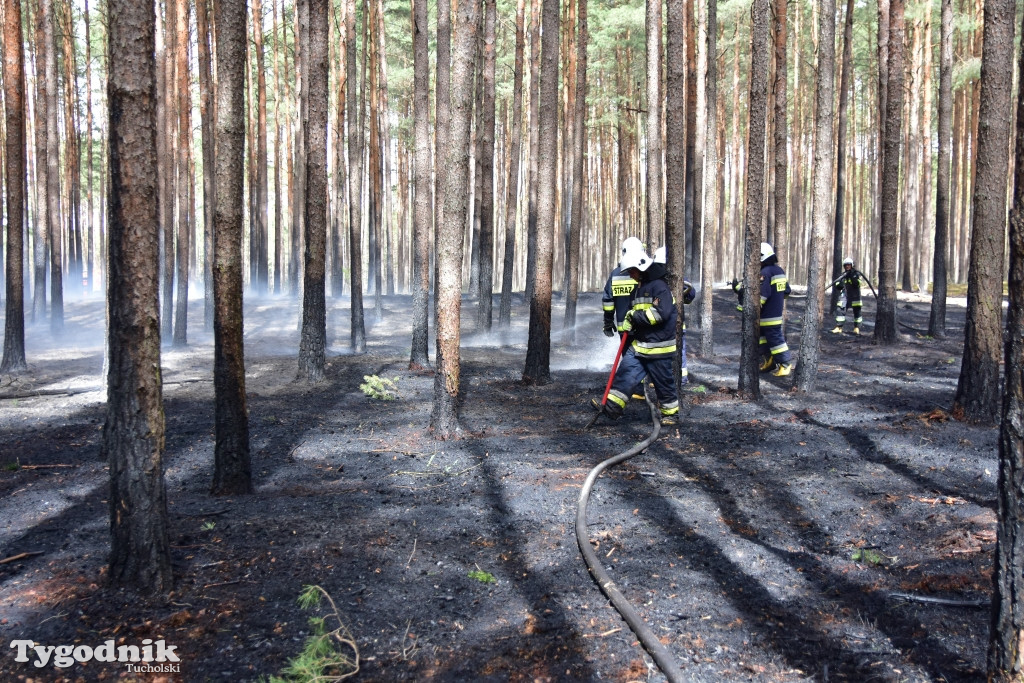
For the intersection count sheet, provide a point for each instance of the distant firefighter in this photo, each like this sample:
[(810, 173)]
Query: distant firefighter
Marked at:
[(849, 298)]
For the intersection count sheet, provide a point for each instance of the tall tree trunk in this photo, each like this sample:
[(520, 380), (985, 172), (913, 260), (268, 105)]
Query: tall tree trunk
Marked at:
[(937, 316), (678, 205), (844, 85), (232, 471), (14, 166), (977, 392), (486, 280), (90, 222), (313, 338), (279, 141), (262, 229), (53, 209), (693, 164), (185, 207), (532, 181), (579, 123), (885, 317), (419, 357), (72, 149), (167, 152), (760, 44), (1006, 631), (538, 350), (810, 336), (355, 184), (655, 177), (780, 194), (512, 186), (444, 419), (40, 231), (207, 117), (133, 435), (712, 174)]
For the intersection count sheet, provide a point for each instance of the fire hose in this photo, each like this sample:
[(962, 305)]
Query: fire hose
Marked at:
[(662, 657)]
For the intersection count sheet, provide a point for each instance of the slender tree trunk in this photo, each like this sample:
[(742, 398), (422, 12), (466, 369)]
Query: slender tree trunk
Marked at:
[(655, 176), (444, 420), (538, 351), (41, 230), (749, 381), (278, 143), (90, 222), (232, 471), (690, 261), (184, 196), (678, 205), (133, 435), (355, 185), (207, 116), (53, 191), (262, 229), (977, 393), (844, 84), (780, 194), (885, 322), (487, 208), (313, 338), (512, 186), (14, 159), (712, 175), (579, 123), (810, 337), (420, 358), (72, 148), (937, 316), (167, 152), (532, 182)]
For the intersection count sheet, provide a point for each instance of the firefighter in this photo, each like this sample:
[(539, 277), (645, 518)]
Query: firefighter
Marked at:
[(619, 289), (849, 284), (774, 290), (661, 256), (651, 324)]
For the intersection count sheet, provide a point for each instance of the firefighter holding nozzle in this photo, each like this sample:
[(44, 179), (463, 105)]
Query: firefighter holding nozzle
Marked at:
[(849, 298)]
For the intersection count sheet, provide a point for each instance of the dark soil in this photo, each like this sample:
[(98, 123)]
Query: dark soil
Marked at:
[(780, 540)]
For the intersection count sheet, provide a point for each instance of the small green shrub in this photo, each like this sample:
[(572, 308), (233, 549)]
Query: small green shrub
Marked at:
[(482, 576), (868, 556), (327, 656), (380, 388)]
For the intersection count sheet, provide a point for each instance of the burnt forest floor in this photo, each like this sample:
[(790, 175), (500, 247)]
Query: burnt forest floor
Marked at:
[(782, 540)]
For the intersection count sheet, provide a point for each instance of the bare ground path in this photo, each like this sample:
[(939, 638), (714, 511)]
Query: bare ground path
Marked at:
[(785, 540)]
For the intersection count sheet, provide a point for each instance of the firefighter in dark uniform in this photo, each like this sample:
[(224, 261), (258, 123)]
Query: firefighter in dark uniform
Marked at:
[(651, 324), (849, 283), (618, 290), (774, 290)]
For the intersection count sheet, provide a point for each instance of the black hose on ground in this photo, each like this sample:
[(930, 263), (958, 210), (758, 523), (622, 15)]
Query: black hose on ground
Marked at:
[(662, 657)]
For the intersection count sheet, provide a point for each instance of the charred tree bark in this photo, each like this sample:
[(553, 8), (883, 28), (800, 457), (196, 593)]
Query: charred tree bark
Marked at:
[(444, 419), (133, 435), (977, 392), (313, 338), (810, 337), (885, 318), (420, 354), (512, 186), (232, 472), (749, 381), (937, 316), (538, 351), (14, 166)]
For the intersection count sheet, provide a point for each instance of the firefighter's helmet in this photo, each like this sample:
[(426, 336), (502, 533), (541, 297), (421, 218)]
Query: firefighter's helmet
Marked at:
[(766, 251), (661, 255), (635, 257), (848, 262)]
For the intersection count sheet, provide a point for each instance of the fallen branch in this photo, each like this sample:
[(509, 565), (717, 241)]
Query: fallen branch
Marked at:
[(20, 556), (222, 583), (941, 601), (42, 467)]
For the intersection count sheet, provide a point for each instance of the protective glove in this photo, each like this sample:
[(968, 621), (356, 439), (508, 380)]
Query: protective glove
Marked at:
[(627, 322), (609, 328)]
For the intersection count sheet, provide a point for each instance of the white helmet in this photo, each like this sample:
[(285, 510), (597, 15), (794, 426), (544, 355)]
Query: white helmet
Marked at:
[(661, 255), (629, 244), (635, 257), (848, 261), (766, 251)]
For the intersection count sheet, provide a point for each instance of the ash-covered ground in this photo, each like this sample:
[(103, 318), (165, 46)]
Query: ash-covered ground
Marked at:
[(804, 537)]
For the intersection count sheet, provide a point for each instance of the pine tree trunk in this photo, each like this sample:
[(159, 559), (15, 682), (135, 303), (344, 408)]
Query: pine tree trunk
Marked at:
[(760, 40), (207, 116), (419, 358), (260, 193), (885, 322), (977, 393), (538, 351), (14, 165), (712, 176), (824, 199), (53, 189), (781, 131), (487, 209), (512, 186), (313, 338), (184, 197), (167, 152), (133, 436), (840, 197), (232, 472), (579, 124), (40, 229), (355, 184), (937, 316), (444, 420), (655, 176), (532, 178)]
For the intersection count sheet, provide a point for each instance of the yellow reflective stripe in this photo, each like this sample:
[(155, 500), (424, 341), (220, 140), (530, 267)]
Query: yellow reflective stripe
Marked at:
[(780, 348), (769, 322), (654, 349), (608, 307), (617, 398)]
